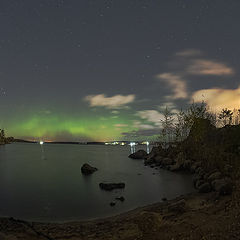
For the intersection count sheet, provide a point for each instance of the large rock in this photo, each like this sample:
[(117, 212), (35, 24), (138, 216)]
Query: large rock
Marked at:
[(153, 160), (149, 161), (204, 188), (187, 165), (174, 168), (166, 161), (87, 169), (214, 176), (111, 186), (158, 159), (196, 178), (140, 154), (195, 166), (199, 183), (223, 186)]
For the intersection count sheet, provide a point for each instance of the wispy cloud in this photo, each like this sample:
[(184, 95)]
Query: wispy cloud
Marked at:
[(218, 98), (141, 133), (115, 112), (114, 102), (208, 67), (176, 84), (119, 125), (189, 53), (140, 125), (152, 116)]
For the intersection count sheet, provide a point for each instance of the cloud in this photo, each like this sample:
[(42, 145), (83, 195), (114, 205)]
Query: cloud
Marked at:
[(139, 125), (114, 102), (115, 112), (176, 84), (169, 105), (119, 125), (189, 53), (141, 132), (208, 67), (218, 98), (152, 116)]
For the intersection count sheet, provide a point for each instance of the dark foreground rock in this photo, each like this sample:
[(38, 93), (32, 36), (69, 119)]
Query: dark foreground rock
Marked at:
[(111, 186), (223, 186), (204, 188), (86, 169), (140, 154)]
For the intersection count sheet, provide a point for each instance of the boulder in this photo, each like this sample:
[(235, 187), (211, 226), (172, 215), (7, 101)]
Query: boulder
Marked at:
[(158, 159), (214, 176), (174, 167), (196, 178), (140, 154), (111, 186), (204, 188), (199, 183), (223, 186), (167, 161), (157, 151), (149, 161), (86, 169), (195, 166), (178, 207), (187, 165)]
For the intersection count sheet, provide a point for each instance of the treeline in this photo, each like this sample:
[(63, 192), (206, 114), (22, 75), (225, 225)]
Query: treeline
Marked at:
[(176, 127), (203, 136), (4, 139)]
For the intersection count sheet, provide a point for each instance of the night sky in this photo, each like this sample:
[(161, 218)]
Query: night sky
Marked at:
[(94, 70)]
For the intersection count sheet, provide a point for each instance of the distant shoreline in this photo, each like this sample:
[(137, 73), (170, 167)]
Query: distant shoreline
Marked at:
[(77, 143)]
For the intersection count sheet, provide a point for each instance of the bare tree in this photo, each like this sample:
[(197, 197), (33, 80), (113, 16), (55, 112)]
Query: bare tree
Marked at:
[(167, 127), (226, 116)]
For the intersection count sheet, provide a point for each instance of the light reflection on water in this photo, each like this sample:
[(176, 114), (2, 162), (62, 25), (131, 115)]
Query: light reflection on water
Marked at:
[(55, 189)]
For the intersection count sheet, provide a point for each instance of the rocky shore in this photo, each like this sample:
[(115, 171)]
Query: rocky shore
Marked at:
[(204, 181)]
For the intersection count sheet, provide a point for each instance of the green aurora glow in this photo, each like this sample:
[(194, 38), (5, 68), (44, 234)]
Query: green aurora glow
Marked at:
[(62, 128)]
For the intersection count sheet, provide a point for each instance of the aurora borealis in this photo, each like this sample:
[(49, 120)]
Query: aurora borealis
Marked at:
[(97, 70)]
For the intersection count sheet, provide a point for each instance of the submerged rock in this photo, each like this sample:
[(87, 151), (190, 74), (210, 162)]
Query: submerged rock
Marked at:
[(111, 186), (86, 169), (112, 204), (122, 199), (140, 154)]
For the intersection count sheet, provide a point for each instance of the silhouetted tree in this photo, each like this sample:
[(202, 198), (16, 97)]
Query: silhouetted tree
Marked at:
[(226, 116), (167, 126)]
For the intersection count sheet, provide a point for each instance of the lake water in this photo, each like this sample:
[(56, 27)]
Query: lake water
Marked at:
[(45, 183)]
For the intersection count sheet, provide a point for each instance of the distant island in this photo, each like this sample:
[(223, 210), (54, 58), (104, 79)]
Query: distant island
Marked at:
[(3, 139)]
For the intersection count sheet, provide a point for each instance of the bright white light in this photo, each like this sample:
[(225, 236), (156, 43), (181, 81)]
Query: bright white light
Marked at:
[(132, 144), (41, 142), (147, 143)]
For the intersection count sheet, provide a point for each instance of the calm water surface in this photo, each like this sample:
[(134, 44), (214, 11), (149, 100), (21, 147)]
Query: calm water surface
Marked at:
[(46, 184)]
